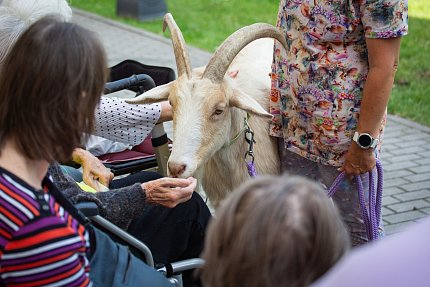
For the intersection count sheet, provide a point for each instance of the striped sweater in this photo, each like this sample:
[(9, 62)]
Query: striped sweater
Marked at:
[(41, 244)]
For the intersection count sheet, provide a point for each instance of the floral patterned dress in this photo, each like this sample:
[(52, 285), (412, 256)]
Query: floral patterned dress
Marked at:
[(317, 84)]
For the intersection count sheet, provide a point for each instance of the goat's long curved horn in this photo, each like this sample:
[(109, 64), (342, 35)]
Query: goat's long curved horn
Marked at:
[(181, 54), (224, 55)]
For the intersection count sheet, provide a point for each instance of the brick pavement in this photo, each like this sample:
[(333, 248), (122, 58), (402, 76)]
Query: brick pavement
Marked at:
[(406, 150)]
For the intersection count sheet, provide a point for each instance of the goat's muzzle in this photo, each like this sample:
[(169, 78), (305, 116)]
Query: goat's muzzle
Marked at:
[(176, 169)]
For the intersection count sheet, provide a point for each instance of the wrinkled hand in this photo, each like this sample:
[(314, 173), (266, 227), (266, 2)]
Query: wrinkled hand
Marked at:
[(358, 160), (94, 172), (169, 192)]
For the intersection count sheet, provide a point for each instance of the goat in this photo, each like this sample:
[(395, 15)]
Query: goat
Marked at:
[(210, 108)]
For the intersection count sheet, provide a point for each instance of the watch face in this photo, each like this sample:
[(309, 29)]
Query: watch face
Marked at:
[(365, 140)]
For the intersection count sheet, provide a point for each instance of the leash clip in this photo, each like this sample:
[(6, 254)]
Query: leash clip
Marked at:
[(249, 138)]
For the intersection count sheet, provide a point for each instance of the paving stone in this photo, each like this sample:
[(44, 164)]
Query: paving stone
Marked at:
[(400, 165), (388, 161), (407, 144), (416, 136), (398, 227), (392, 190), (407, 157), (423, 161), (409, 205), (394, 132), (390, 147), (416, 185), (386, 211), (425, 154), (392, 140), (402, 151), (387, 200), (386, 155), (407, 196), (145, 47), (395, 182), (398, 173), (418, 177), (395, 126), (404, 216), (420, 169)]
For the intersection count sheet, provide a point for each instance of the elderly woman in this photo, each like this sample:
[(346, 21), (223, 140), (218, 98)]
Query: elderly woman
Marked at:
[(273, 231)]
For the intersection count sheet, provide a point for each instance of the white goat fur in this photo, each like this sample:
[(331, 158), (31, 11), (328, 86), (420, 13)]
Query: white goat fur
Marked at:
[(226, 169), (202, 139)]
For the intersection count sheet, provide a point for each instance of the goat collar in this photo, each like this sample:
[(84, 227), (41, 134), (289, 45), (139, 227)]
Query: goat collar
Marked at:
[(245, 126)]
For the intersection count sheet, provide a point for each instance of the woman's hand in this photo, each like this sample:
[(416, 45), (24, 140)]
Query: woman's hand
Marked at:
[(358, 160), (169, 192), (94, 172)]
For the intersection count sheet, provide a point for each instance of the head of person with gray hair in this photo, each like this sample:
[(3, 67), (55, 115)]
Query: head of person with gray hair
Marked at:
[(17, 15), (272, 231)]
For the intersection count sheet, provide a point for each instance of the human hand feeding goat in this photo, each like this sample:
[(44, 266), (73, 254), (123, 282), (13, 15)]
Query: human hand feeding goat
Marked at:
[(211, 109)]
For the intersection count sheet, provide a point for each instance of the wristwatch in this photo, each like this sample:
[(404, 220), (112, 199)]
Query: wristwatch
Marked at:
[(365, 140)]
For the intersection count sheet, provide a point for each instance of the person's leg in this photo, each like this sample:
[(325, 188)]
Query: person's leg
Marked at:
[(295, 164), (173, 234), (346, 197), (347, 201)]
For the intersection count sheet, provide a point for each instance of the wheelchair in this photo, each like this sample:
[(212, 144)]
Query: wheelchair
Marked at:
[(153, 152), (172, 271)]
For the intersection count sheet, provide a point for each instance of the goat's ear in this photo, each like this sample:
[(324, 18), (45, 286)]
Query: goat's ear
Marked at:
[(243, 101), (155, 95)]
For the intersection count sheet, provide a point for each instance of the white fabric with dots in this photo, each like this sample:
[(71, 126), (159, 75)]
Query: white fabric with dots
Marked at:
[(130, 124)]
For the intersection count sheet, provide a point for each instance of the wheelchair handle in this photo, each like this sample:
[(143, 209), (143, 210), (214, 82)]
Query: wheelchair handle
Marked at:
[(139, 83), (180, 266)]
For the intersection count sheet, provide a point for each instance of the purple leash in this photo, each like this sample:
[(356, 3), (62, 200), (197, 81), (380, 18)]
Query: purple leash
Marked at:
[(370, 217), (251, 168)]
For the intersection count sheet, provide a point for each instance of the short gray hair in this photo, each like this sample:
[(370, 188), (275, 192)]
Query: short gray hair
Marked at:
[(17, 15)]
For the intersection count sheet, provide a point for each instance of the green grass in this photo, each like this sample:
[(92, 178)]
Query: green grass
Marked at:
[(206, 23), (411, 94)]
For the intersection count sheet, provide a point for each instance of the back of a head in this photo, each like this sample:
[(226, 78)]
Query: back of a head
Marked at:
[(273, 231), (17, 15), (55, 77), (32, 10)]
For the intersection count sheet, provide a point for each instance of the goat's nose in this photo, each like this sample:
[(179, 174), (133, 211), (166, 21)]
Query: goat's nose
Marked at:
[(176, 169)]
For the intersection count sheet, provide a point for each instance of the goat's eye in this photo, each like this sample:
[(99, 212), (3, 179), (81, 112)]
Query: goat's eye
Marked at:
[(218, 112)]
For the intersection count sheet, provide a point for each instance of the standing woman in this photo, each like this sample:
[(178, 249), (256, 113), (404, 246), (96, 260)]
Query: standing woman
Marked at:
[(330, 90), (50, 84)]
